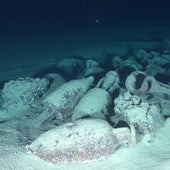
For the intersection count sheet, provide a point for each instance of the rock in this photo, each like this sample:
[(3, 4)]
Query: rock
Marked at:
[(94, 104)]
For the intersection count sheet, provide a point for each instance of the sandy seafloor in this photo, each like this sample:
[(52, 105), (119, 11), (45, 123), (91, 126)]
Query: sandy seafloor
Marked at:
[(155, 156), (24, 58)]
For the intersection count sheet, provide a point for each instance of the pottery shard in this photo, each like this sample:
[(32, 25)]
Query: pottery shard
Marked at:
[(83, 140), (94, 103), (62, 101)]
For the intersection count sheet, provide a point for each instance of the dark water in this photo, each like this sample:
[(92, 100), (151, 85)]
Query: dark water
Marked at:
[(33, 29)]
